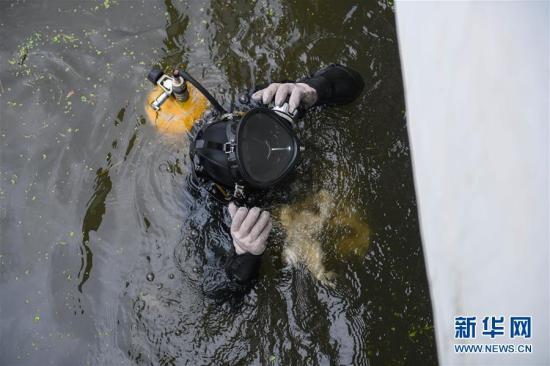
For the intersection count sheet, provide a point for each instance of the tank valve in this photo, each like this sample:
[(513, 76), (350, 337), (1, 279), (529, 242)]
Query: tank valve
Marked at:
[(175, 85), (179, 87)]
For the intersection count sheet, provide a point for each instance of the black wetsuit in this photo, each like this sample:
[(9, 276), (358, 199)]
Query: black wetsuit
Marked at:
[(225, 273)]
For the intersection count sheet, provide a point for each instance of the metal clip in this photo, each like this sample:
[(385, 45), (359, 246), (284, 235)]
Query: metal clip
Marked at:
[(238, 191), (229, 147), (227, 116)]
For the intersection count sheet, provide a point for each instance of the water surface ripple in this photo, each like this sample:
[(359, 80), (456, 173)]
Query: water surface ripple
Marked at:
[(102, 250)]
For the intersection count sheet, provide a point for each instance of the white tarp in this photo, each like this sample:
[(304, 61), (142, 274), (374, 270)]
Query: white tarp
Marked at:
[(476, 78)]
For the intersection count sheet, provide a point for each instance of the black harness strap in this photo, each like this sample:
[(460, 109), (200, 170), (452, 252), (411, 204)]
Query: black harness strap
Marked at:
[(202, 145)]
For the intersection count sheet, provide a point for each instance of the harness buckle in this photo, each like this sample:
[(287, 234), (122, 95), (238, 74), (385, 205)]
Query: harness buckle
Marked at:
[(238, 191), (229, 147)]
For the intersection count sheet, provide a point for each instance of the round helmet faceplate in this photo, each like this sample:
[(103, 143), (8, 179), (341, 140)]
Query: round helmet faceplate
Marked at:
[(267, 147)]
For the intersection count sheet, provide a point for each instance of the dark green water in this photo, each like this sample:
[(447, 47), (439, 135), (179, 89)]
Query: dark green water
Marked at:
[(92, 199)]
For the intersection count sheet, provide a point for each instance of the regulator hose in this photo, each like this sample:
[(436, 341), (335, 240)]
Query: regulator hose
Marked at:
[(203, 90)]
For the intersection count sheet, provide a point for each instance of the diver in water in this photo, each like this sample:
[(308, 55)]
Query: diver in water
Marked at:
[(236, 155)]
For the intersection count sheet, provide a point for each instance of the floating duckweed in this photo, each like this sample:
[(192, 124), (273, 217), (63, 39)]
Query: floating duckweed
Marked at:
[(30, 43), (36, 319), (64, 38), (70, 38)]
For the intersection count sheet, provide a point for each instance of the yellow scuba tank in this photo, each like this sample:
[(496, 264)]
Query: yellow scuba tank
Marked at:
[(175, 117), (175, 103)]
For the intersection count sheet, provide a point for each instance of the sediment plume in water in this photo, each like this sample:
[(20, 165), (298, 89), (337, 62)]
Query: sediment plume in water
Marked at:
[(306, 221)]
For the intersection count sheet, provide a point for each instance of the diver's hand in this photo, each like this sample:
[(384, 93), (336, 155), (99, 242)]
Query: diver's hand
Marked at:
[(249, 229), (300, 94)]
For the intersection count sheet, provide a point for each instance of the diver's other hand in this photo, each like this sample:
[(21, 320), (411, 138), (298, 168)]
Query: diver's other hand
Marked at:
[(300, 94), (249, 229)]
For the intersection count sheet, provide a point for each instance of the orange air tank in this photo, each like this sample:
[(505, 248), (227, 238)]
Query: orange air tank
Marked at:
[(175, 117)]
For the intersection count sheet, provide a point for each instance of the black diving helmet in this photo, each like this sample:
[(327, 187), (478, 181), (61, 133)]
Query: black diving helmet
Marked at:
[(257, 150)]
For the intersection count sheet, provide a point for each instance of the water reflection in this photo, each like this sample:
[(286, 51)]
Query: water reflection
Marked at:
[(92, 221)]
